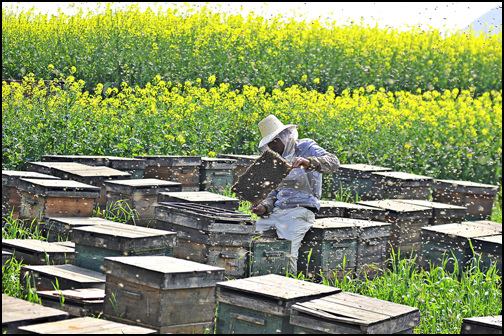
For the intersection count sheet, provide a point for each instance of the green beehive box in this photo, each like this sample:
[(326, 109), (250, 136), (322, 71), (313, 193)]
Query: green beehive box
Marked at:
[(269, 255), (400, 185), (490, 250), (94, 243), (262, 304), (328, 245), (349, 313), (356, 179), (216, 174), (451, 240)]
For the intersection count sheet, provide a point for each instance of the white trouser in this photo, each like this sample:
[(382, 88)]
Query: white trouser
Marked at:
[(290, 224)]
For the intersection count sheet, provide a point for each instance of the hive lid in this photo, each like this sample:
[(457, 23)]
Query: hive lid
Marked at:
[(58, 188), (466, 187), (393, 205), (35, 245), (11, 177), (141, 186), (171, 160), (197, 196), (464, 230)]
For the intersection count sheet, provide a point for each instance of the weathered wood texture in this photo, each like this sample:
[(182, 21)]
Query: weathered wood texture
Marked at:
[(76, 302), (94, 243), (478, 198), (262, 304), (161, 292), (201, 197), (482, 325), (183, 169), (264, 175), (442, 213), (269, 255), (68, 277), (85, 325), (17, 313), (490, 250), (242, 163), (346, 312), (37, 252), (11, 196), (356, 179), (61, 228), (400, 185), (348, 210), (216, 174)]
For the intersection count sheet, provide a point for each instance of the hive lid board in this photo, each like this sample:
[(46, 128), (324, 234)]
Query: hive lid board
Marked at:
[(402, 176), (35, 245), (77, 221), (170, 160), (145, 185), (67, 271), (466, 187), (486, 224), (278, 287), (121, 231), (16, 310), (359, 223), (396, 206), (363, 167), (50, 186), (434, 205), (465, 230), (495, 321), (11, 177), (345, 205), (197, 196)]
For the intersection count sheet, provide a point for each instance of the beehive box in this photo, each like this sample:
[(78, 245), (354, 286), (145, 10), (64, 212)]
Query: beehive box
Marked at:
[(94, 243), (349, 313), (168, 294), (84, 325), (216, 174), (141, 196), (406, 221), (324, 247), (486, 325), (11, 196), (347, 210), (76, 302), (242, 163), (262, 304), (68, 277), (17, 313), (209, 235), (92, 175), (400, 185), (489, 249), (38, 252), (135, 167), (451, 240), (56, 198), (201, 197), (355, 179), (182, 169), (442, 213), (478, 198), (269, 255), (61, 228)]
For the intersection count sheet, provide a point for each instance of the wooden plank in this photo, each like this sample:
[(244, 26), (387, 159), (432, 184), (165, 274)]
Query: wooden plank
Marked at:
[(146, 186), (35, 252), (69, 277), (465, 230)]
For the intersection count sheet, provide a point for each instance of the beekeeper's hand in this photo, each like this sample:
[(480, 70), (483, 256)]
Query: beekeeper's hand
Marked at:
[(258, 209), (300, 162)]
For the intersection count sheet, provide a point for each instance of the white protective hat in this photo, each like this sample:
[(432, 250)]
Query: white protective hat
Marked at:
[(270, 127)]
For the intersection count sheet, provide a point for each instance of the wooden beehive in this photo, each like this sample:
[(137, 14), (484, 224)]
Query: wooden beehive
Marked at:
[(451, 240), (349, 313), (68, 277), (264, 175), (201, 197), (141, 196), (168, 294), (84, 325), (76, 302), (478, 198), (92, 175), (216, 174), (489, 249), (38, 252), (17, 313), (242, 163), (356, 179), (269, 255), (262, 304), (406, 221), (324, 247), (61, 228), (442, 213), (133, 166), (486, 325), (94, 243), (58, 198), (209, 235), (400, 185), (11, 196), (348, 210), (183, 169)]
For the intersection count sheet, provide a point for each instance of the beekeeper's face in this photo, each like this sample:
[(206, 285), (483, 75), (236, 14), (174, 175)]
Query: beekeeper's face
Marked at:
[(277, 146)]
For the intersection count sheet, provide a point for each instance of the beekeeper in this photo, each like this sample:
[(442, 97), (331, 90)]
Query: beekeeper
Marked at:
[(290, 209)]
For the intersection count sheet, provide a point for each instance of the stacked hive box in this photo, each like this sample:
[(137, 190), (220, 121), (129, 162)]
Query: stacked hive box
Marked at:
[(141, 196), (216, 174), (201, 197), (477, 197), (95, 176), (400, 185), (262, 304), (356, 179), (182, 169), (135, 167), (208, 235), (242, 163), (11, 196), (167, 294)]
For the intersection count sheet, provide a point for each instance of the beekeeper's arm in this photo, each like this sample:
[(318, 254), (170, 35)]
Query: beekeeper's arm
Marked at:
[(266, 206)]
